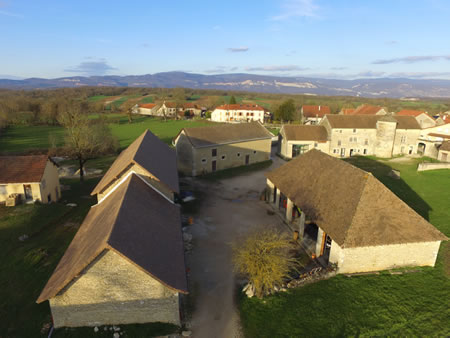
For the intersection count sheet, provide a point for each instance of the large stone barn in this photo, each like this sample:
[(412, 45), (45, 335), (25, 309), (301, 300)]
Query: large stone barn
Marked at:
[(151, 159), (124, 265), (28, 178), (294, 140), (348, 217), (202, 150)]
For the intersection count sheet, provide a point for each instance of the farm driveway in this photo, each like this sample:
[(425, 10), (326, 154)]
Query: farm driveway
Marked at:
[(230, 208)]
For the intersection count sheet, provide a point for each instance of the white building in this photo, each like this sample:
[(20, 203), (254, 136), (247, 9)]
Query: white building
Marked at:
[(238, 113)]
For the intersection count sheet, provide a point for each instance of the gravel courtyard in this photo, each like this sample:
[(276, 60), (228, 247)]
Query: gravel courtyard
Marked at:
[(229, 209)]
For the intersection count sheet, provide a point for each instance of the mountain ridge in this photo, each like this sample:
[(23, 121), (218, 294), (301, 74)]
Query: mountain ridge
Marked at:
[(377, 87)]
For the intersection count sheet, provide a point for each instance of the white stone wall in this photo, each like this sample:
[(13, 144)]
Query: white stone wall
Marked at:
[(114, 291), (222, 115), (361, 141), (376, 258), (406, 141), (442, 154)]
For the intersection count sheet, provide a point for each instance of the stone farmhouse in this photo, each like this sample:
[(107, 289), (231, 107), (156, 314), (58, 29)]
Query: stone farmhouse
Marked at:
[(203, 150), (126, 262), (314, 114), (294, 140), (149, 109), (28, 178), (425, 120), (347, 217), (348, 135), (143, 157), (430, 139), (365, 109), (238, 113), (444, 152), (168, 109)]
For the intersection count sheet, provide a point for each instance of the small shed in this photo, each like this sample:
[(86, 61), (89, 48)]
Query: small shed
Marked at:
[(31, 178)]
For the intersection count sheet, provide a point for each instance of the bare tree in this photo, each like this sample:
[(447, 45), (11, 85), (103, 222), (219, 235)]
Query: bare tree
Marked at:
[(85, 138)]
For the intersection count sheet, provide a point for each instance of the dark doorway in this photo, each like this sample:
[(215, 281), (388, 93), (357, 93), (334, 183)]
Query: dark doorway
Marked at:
[(214, 165), (247, 159), (28, 192), (274, 195), (421, 148), (351, 152), (342, 152)]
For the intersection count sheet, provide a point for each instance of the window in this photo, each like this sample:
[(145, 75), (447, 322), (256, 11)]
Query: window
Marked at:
[(238, 154), (355, 139), (315, 145), (298, 149), (214, 152), (339, 142), (254, 151), (223, 157), (203, 160), (354, 131), (335, 151), (350, 139), (403, 139), (340, 131), (366, 141), (43, 183), (2, 189)]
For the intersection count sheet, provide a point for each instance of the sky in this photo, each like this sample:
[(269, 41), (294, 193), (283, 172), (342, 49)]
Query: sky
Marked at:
[(319, 38)]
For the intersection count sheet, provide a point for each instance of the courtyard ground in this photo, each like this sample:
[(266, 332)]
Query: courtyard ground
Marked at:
[(229, 209)]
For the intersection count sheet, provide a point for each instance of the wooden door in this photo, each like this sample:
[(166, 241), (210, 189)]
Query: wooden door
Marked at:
[(247, 159), (214, 165), (28, 191)]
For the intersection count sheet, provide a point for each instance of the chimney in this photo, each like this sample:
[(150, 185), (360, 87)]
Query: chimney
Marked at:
[(319, 108)]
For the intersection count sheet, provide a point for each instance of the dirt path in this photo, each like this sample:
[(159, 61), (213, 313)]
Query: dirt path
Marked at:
[(230, 209)]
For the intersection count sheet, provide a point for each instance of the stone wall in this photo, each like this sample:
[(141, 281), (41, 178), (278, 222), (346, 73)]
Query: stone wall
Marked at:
[(433, 166), (376, 258), (185, 160), (385, 138), (114, 291), (230, 155)]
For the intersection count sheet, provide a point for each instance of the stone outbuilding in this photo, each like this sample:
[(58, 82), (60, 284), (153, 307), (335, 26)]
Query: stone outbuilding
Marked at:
[(346, 216), (294, 140), (203, 150), (444, 152), (425, 120), (148, 157), (125, 264), (312, 115), (29, 178)]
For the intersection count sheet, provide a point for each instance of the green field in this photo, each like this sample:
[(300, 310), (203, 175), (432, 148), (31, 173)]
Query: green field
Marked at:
[(147, 99), (18, 139), (97, 98), (411, 304)]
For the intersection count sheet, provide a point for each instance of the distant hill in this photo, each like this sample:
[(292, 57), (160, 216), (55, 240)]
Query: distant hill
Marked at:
[(382, 87)]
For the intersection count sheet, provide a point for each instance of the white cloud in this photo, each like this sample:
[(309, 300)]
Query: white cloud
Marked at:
[(89, 68), (296, 8), (278, 68), (412, 59), (238, 49)]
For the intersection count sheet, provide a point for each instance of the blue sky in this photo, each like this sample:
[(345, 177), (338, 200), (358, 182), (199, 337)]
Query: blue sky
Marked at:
[(333, 39)]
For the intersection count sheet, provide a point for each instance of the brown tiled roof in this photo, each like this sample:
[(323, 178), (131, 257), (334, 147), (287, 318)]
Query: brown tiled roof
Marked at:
[(134, 221), (152, 154), (313, 111), (409, 112), (226, 133), (349, 204), (189, 105), (170, 104), (369, 121), (445, 146), (240, 107), (22, 169), (439, 135), (348, 111), (148, 105), (366, 109), (305, 133)]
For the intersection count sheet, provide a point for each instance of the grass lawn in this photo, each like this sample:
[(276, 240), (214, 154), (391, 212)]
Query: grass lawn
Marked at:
[(147, 99), (19, 139), (26, 266), (411, 304)]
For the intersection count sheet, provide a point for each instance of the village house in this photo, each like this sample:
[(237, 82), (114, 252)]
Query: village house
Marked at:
[(238, 113), (379, 135), (168, 109), (313, 114), (202, 150), (430, 139), (365, 109), (192, 108), (28, 178), (151, 159), (444, 152), (294, 140), (149, 109), (125, 264), (425, 120), (346, 217)]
